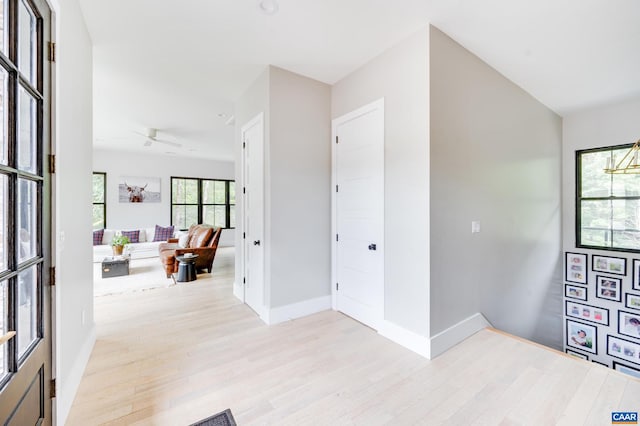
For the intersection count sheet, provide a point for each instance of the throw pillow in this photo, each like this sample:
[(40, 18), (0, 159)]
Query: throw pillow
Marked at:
[(97, 237), (163, 233), (108, 236), (183, 240), (134, 236)]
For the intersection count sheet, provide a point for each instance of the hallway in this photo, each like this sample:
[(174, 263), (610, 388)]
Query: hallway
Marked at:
[(176, 355)]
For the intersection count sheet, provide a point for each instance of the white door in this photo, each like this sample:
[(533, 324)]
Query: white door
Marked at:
[(253, 212), (358, 166)]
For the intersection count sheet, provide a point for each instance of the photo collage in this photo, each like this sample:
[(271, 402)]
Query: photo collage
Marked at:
[(602, 310)]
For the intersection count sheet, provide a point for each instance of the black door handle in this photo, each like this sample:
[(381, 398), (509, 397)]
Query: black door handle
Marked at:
[(256, 243), (372, 247)]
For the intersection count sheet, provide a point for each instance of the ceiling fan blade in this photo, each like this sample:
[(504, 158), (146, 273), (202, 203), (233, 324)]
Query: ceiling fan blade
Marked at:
[(147, 132), (176, 144)]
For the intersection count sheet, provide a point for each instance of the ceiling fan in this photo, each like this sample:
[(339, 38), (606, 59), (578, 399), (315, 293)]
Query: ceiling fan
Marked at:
[(152, 137)]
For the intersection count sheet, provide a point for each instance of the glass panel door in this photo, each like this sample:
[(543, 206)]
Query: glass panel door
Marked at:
[(25, 214)]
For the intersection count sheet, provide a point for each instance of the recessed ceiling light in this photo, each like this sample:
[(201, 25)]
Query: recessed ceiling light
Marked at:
[(269, 7)]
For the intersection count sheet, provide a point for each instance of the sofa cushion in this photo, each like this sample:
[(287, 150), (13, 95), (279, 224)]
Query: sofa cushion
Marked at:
[(138, 251), (108, 236), (183, 240), (200, 237), (134, 236), (167, 248), (97, 237), (163, 233)]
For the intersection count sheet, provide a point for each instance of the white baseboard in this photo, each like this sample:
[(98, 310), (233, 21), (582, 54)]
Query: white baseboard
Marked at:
[(297, 310), (410, 340), (455, 334), (67, 387)]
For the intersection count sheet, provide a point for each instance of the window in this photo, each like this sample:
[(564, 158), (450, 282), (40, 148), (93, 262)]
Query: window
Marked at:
[(607, 205), (195, 200), (99, 200)]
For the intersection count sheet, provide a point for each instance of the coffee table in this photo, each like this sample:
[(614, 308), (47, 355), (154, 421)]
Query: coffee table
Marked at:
[(186, 268), (115, 266)]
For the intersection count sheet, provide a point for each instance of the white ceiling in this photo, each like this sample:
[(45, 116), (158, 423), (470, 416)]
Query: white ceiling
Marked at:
[(176, 66)]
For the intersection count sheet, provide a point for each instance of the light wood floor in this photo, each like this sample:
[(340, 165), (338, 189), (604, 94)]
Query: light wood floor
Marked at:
[(176, 355)]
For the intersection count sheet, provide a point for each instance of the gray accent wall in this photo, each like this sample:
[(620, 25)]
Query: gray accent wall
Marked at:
[(496, 159), (400, 75), (297, 184)]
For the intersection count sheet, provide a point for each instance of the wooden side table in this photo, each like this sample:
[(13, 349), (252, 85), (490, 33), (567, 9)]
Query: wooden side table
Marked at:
[(186, 268)]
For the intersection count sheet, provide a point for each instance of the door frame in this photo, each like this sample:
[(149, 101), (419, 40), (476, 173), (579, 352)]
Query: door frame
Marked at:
[(335, 123), (257, 120)]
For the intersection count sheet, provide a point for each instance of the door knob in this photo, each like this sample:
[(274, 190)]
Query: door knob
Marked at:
[(372, 247), (256, 243)]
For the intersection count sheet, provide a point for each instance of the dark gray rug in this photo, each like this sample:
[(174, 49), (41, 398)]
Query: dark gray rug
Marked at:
[(225, 418)]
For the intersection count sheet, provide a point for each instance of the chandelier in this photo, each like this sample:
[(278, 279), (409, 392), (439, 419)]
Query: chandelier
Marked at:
[(628, 164)]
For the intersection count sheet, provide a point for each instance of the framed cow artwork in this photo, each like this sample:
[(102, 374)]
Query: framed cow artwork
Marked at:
[(135, 189)]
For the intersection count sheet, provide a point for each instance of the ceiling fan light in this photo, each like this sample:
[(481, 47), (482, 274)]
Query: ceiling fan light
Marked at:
[(150, 132), (269, 7)]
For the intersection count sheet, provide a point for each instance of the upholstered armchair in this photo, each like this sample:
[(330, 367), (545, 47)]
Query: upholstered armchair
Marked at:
[(201, 240)]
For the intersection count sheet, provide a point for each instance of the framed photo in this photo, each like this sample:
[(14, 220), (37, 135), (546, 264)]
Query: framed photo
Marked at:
[(609, 288), (636, 274), (598, 362), (624, 349), (629, 324), (632, 301), (626, 369), (139, 189), (575, 268), (576, 292), (587, 312), (610, 265), (582, 336), (577, 354)]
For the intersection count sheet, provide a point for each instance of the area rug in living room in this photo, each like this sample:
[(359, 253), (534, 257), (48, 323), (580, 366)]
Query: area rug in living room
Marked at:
[(144, 274)]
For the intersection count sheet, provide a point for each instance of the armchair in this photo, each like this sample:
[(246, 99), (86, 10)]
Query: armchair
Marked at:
[(202, 240)]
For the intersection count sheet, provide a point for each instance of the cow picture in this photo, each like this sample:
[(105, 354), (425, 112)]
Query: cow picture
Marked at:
[(136, 193), (132, 189)]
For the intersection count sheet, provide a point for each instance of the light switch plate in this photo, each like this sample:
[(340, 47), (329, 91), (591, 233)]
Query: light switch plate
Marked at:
[(475, 227)]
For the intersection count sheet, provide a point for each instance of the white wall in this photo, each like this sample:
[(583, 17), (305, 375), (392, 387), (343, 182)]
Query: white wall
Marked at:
[(495, 158), (254, 101), (147, 215), (300, 183), (401, 77), (73, 258), (297, 186), (608, 125)]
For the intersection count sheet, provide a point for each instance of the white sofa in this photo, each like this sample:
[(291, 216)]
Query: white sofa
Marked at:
[(144, 249)]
